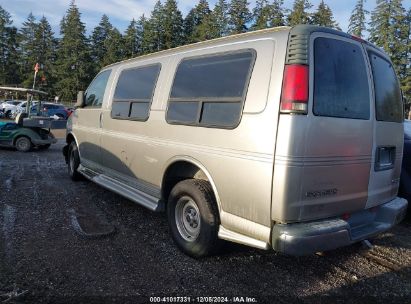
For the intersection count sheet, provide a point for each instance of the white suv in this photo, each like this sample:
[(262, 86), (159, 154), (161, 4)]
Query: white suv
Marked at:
[(8, 106)]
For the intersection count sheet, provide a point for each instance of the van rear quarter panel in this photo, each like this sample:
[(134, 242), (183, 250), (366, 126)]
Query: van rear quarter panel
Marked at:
[(239, 160)]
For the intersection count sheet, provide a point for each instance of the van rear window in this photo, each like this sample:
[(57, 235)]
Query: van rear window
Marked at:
[(210, 91), (388, 101), (341, 86)]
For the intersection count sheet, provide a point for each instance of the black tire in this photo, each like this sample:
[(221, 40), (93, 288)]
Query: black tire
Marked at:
[(8, 114), (193, 217), (73, 162), (23, 144)]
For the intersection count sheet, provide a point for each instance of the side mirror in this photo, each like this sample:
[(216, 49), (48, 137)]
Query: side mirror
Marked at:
[(80, 100)]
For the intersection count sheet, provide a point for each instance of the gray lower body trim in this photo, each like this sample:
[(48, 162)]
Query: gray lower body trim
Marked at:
[(235, 237), (311, 237), (135, 195)]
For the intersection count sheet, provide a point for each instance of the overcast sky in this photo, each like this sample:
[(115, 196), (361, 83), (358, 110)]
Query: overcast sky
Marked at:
[(121, 12)]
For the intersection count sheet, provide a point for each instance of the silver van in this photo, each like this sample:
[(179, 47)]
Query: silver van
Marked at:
[(285, 138)]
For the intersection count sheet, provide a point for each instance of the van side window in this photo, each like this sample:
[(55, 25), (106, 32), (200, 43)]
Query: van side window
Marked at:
[(94, 95), (341, 86), (210, 91), (134, 93), (388, 103)]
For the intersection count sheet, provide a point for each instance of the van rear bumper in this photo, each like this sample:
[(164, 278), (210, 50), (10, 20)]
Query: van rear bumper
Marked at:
[(328, 234)]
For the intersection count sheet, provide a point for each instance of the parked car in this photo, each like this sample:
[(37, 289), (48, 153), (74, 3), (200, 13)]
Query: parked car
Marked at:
[(20, 108), (70, 111), (8, 106), (405, 182), (50, 110), (279, 138)]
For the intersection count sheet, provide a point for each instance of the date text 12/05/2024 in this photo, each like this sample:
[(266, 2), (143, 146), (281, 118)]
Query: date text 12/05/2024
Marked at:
[(238, 299)]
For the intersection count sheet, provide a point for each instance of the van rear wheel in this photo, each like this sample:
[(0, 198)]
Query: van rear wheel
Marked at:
[(193, 217)]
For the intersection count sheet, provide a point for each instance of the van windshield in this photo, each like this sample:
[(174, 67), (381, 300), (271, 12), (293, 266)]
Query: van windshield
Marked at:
[(388, 103)]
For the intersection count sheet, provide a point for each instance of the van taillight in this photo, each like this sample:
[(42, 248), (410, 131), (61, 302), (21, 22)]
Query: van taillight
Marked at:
[(294, 97)]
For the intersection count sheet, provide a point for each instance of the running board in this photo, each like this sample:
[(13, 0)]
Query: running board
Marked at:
[(235, 237), (135, 195)]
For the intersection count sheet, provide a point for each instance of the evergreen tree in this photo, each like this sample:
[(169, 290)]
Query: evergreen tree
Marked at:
[(388, 29), (324, 16), (143, 34), (239, 16), (98, 42), (114, 47), (268, 15), (155, 29), (73, 61), (198, 25), (406, 66), (299, 14), (277, 13), (399, 36), (132, 41), (380, 25), (8, 50), (220, 17), (204, 28), (27, 50), (262, 14), (12, 59), (188, 25), (45, 54), (173, 25), (357, 25)]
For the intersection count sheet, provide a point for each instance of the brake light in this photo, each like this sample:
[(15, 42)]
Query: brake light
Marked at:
[(294, 97)]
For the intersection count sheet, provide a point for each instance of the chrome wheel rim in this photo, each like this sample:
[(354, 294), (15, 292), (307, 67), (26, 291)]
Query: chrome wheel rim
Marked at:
[(188, 219)]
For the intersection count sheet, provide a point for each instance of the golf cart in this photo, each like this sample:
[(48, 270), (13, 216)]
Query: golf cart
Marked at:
[(29, 130)]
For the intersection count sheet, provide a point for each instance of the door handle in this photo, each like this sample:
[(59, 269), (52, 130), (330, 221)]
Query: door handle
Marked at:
[(384, 158), (101, 120)]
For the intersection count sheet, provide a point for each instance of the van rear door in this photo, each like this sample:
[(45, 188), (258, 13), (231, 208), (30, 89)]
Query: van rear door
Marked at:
[(339, 139), (388, 130)]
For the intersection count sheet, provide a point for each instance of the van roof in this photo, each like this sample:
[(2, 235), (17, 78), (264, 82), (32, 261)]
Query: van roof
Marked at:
[(204, 43), (297, 50)]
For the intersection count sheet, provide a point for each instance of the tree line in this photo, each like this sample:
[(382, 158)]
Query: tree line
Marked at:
[(69, 62)]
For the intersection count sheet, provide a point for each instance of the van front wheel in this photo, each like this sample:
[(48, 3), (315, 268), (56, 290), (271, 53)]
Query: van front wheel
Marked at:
[(73, 162), (193, 217)]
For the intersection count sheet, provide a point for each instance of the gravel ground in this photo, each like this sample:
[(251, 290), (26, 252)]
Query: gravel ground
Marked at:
[(43, 258)]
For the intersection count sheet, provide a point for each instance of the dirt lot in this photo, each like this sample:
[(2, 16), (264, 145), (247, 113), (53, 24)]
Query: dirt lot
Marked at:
[(43, 255)]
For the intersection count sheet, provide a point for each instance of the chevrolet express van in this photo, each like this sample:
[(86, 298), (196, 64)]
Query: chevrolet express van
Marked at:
[(285, 138)]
